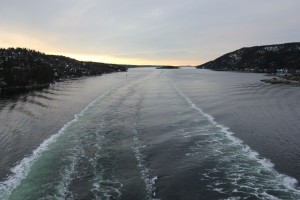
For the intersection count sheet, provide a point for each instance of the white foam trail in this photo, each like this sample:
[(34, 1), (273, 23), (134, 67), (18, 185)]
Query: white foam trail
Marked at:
[(67, 178), (103, 188), (148, 180), (20, 171), (287, 181)]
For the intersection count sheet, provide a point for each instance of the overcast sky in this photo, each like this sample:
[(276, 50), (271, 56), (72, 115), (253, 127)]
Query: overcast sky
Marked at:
[(175, 32)]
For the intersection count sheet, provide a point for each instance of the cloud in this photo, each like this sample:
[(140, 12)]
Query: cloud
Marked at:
[(154, 31)]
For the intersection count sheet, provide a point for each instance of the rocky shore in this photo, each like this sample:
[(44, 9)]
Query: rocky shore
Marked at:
[(283, 79)]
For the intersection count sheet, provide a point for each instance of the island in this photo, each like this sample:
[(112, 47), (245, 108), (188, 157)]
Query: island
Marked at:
[(168, 67)]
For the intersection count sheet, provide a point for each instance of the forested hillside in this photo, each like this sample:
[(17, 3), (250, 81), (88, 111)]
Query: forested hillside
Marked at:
[(23, 67)]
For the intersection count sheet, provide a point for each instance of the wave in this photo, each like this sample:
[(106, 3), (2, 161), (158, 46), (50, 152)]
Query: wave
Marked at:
[(260, 172), (21, 170)]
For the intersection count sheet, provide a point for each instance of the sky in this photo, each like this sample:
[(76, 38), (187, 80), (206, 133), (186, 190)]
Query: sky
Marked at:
[(153, 32)]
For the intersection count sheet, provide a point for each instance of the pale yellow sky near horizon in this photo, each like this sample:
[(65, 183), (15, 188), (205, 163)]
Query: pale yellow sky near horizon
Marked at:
[(21, 41)]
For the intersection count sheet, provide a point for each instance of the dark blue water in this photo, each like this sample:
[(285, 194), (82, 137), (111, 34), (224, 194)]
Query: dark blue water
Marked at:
[(154, 134)]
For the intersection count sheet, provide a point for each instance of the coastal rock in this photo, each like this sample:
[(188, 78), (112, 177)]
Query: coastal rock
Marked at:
[(276, 81)]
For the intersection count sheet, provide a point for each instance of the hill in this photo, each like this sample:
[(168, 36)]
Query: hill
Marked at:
[(20, 68), (268, 59)]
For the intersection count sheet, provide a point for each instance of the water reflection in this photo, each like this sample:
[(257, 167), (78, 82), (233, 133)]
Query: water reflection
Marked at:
[(11, 100)]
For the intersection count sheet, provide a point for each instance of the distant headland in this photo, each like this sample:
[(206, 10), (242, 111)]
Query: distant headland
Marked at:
[(22, 68), (168, 67), (281, 61), (264, 59)]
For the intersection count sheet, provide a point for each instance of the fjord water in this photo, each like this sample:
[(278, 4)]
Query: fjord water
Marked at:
[(154, 134)]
